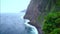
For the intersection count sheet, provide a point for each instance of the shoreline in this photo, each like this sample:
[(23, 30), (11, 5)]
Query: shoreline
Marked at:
[(35, 31)]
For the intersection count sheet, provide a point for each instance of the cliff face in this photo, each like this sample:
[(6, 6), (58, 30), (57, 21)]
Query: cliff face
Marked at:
[(35, 9)]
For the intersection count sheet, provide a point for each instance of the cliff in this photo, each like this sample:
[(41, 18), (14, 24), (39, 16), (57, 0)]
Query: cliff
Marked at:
[(36, 11)]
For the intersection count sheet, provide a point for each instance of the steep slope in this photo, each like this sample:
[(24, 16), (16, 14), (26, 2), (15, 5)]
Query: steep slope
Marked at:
[(36, 11)]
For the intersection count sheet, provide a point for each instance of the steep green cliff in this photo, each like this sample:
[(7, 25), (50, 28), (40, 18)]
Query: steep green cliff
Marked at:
[(38, 9), (51, 24), (50, 7)]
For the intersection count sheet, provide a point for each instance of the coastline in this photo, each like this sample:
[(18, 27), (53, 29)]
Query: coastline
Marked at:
[(34, 29)]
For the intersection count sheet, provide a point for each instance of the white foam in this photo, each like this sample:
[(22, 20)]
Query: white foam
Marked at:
[(35, 31)]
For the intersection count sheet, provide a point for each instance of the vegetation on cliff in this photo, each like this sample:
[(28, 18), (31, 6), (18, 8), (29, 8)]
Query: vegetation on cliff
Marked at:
[(38, 9), (52, 23), (52, 20)]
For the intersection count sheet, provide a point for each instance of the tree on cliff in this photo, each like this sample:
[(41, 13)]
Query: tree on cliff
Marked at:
[(52, 21)]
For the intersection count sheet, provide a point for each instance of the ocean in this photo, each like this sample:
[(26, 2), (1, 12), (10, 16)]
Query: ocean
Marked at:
[(14, 23)]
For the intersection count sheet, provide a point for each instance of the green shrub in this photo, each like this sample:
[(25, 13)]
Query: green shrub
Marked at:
[(56, 31), (57, 21), (58, 2), (52, 21)]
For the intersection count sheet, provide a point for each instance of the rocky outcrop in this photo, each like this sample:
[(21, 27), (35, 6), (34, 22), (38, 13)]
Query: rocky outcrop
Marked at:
[(35, 9)]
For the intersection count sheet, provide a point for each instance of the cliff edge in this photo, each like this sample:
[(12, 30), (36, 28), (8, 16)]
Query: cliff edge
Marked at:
[(35, 9)]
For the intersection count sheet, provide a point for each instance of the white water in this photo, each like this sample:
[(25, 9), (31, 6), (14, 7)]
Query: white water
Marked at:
[(11, 20), (15, 24), (34, 30)]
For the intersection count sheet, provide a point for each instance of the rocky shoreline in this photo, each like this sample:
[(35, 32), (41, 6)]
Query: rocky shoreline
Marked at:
[(35, 9)]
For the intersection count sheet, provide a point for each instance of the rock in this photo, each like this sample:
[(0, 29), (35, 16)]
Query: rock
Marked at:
[(35, 9)]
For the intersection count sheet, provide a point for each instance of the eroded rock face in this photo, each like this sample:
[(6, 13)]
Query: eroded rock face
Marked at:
[(36, 8)]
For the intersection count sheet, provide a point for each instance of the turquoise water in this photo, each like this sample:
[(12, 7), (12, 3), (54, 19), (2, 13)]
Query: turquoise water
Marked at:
[(13, 23)]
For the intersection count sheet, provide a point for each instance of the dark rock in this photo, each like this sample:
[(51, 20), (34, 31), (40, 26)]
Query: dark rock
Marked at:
[(36, 8)]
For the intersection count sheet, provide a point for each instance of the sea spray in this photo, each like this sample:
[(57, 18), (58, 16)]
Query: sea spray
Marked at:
[(34, 29)]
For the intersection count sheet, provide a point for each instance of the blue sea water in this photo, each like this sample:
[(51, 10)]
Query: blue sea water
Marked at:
[(13, 23)]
